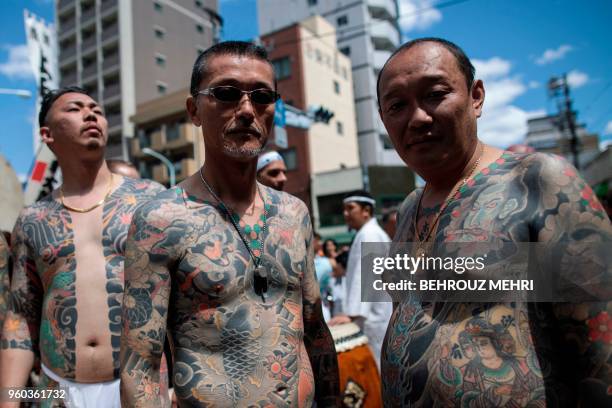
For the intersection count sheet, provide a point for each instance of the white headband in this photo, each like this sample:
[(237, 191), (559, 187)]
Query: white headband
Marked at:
[(268, 158), (360, 199)]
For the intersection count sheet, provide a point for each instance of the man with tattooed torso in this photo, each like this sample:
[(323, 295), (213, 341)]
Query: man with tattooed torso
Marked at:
[(515, 354), (224, 265), (68, 252)]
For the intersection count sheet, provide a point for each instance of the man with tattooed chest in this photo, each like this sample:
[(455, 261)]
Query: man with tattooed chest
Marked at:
[(462, 354), (224, 265), (67, 284)]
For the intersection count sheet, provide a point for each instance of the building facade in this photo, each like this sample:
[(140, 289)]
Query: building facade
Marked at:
[(367, 32), (164, 126), (130, 52), (323, 161), (550, 134)]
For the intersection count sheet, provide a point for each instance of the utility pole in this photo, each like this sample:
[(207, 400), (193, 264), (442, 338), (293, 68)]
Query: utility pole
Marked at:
[(559, 88)]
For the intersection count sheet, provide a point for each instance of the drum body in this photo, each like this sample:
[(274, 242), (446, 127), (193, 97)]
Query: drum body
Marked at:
[(359, 377)]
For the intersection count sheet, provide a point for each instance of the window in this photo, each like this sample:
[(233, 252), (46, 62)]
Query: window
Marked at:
[(318, 55), (162, 87), (337, 87), (158, 7), (198, 3), (282, 67), (339, 128), (346, 51), (160, 33), (312, 3), (200, 50), (290, 158), (342, 20), (199, 28), (386, 141), (160, 60)]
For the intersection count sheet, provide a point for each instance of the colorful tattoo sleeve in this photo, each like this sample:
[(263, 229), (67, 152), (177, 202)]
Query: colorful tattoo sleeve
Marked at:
[(144, 311), (21, 326), (317, 338)]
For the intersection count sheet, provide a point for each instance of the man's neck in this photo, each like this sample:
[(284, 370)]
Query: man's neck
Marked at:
[(232, 181), (81, 177), (364, 223)]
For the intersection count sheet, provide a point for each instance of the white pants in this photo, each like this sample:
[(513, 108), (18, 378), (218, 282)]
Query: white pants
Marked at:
[(88, 395)]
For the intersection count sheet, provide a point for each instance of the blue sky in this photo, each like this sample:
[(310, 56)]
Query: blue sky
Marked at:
[(515, 45)]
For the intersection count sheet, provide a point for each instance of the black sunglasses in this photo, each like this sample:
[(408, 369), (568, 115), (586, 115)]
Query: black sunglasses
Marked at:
[(231, 94)]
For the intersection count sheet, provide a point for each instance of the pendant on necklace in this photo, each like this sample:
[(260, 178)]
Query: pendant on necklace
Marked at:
[(260, 281)]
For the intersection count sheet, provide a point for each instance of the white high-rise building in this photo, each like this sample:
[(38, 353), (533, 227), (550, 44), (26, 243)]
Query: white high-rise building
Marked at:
[(130, 52), (368, 33)]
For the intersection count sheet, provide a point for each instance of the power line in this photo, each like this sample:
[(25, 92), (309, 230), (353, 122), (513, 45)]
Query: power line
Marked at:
[(599, 95)]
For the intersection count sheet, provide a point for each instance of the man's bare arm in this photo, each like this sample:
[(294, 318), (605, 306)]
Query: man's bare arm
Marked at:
[(574, 225), (317, 338), (21, 327), (144, 310)]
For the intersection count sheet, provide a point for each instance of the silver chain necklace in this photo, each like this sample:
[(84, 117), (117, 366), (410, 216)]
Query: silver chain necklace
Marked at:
[(260, 274)]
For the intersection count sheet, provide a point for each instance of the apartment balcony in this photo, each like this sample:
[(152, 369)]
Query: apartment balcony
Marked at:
[(67, 26), (88, 15), (68, 80), (88, 43), (112, 92), (110, 62), (89, 71), (382, 9), (183, 169), (113, 120), (184, 137), (380, 57), (107, 5), (67, 53), (65, 5), (384, 35), (110, 31)]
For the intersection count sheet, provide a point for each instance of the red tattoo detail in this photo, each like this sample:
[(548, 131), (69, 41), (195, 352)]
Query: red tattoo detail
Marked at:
[(600, 328)]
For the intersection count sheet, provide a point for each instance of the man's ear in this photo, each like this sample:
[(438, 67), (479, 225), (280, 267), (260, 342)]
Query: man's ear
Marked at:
[(478, 97), (45, 135), (192, 110)]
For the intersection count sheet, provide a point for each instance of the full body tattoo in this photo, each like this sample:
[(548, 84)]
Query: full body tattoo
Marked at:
[(187, 266), (42, 314), (514, 354)]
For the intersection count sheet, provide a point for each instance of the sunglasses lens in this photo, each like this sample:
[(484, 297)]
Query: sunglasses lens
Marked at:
[(227, 93), (263, 96)]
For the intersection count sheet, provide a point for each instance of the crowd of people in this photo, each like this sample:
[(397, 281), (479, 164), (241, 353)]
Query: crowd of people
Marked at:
[(117, 289)]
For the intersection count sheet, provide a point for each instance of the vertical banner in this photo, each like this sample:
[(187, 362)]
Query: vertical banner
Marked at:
[(280, 120), (42, 50)]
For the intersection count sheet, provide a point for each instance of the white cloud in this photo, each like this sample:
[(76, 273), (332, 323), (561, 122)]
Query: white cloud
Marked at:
[(608, 129), (501, 92), (576, 78), (417, 15), (533, 84), (551, 55), (502, 123), (18, 64), (493, 68), (22, 177)]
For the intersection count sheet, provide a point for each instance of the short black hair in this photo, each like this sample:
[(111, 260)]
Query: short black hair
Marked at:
[(239, 48), (362, 193), (50, 97), (464, 63)]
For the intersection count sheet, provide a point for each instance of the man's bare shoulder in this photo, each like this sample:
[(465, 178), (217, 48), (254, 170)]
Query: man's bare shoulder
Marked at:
[(285, 202), (165, 205), (141, 188)]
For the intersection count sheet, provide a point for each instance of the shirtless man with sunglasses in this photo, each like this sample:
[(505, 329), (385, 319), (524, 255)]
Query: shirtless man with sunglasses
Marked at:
[(224, 265)]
